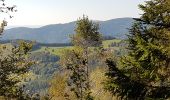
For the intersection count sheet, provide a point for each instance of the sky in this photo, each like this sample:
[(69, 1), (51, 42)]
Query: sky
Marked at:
[(44, 12)]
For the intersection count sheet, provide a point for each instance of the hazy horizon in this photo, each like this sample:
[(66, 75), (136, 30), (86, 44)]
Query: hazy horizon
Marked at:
[(37, 26), (38, 12)]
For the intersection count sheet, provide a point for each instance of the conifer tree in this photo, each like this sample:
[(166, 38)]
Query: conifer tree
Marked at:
[(77, 63), (87, 33), (144, 72), (13, 65)]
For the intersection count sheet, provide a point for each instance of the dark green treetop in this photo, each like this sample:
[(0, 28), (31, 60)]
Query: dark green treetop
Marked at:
[(144, 72), (87, 33)]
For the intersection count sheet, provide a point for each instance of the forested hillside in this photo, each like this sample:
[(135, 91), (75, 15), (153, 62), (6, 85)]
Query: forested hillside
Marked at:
[(59, 33)]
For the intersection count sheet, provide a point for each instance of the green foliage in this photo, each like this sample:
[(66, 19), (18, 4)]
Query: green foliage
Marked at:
[(144, 72), (13, 66)]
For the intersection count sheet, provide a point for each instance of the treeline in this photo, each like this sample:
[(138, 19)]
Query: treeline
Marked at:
[(15, 42), (37, 44)]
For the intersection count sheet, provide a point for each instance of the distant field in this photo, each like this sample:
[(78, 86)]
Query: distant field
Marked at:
[(59, 50), (54, 50), (106, 43)]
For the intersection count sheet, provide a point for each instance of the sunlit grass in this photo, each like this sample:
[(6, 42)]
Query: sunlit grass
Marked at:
[(60, 50), (55, 50), (106, 43)]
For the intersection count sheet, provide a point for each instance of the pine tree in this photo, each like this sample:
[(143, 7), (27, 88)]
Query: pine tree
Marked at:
[(77, 63), (144, 72), (87, 33)]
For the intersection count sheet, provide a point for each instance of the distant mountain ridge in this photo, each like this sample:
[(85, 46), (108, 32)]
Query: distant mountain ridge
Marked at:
[(59, 33)]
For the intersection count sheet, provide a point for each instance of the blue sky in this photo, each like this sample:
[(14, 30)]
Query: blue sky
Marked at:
[(43, 12)]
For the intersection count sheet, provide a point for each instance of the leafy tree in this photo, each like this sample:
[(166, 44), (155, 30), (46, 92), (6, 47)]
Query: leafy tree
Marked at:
[(59, 89), (144, 72), (97, 77)]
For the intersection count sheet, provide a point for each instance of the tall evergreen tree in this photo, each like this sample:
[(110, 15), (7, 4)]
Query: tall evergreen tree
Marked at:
[(77, 63), (144, 72), (87, 33)]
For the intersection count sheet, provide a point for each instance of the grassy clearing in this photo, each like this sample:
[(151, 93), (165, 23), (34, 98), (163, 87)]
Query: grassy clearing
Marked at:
[(54, 50), (106, 43), (59, 50)]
